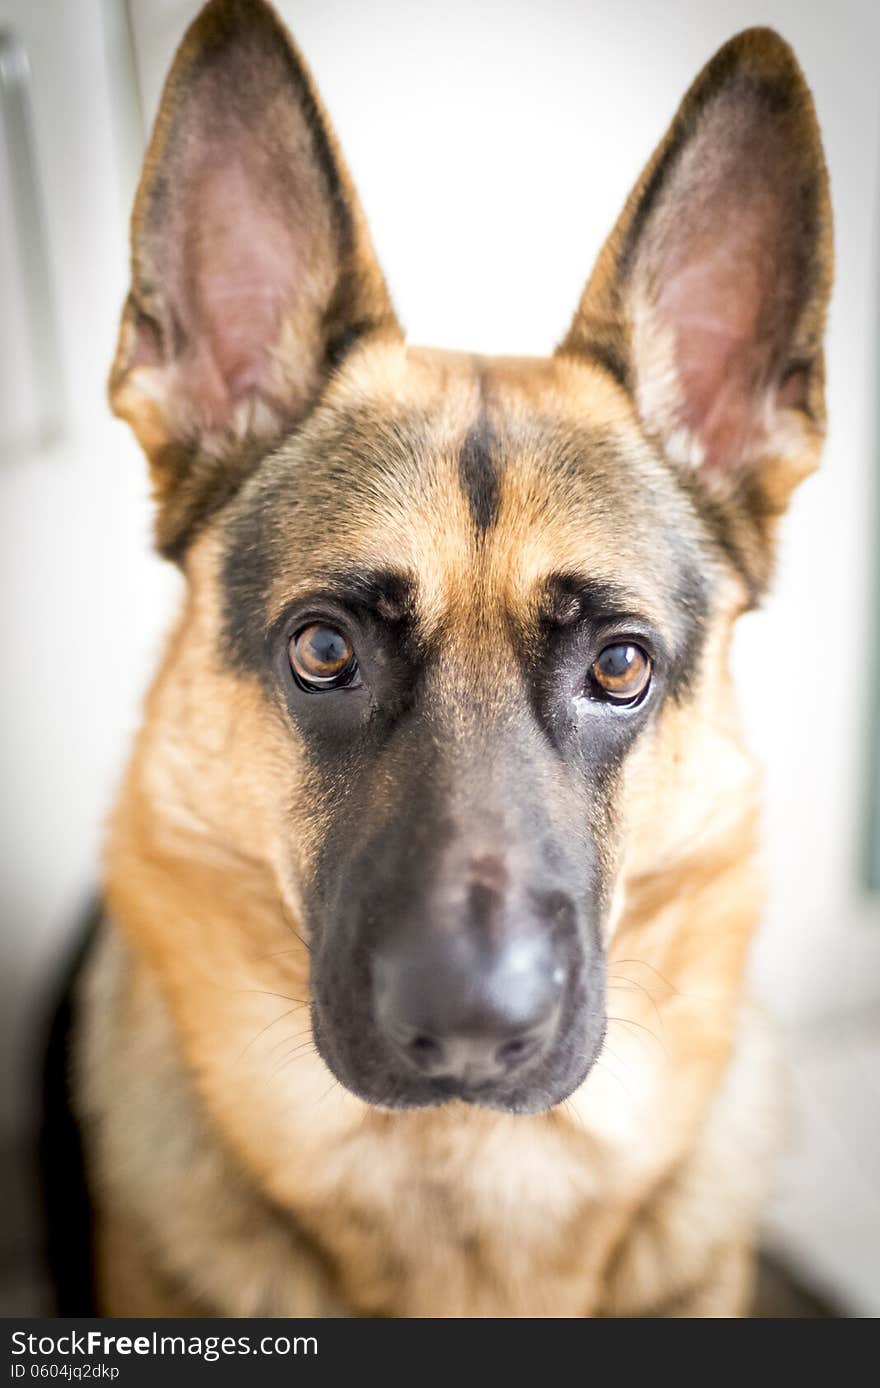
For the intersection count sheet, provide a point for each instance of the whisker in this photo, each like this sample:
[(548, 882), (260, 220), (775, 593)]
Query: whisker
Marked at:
[(296, 1036), (627, 1022), (307, 947), (327, 1092), (275, 954), (632, 983), (602, 1059), (302, 1047), (270, 993), (573, 1113), (289, 1013), (644, 965), (293, 930)]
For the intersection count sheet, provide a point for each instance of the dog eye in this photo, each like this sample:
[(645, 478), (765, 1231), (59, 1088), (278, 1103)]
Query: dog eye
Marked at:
[(322, 657), (621, 673)]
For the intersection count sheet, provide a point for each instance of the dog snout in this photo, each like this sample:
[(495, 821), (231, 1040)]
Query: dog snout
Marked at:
[(470, 1005)]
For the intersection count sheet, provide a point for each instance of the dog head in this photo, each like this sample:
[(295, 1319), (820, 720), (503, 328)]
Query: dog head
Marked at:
[(448, 609)]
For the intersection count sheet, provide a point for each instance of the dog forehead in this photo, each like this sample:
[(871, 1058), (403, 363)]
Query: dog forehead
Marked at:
[(475, 479)]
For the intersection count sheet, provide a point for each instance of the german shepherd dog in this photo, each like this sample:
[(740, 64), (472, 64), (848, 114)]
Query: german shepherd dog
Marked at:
[(419, 988)]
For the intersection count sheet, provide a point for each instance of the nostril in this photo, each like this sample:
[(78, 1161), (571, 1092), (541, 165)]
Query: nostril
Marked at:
[(423, 1051), (425, 1046), (517, 1050)]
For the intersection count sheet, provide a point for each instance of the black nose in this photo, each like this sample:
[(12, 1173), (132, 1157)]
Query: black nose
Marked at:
[(454, 1006)]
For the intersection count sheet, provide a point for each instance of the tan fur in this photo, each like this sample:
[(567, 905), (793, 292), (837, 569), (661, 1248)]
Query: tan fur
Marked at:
[(234, 1175), (451, 1212)]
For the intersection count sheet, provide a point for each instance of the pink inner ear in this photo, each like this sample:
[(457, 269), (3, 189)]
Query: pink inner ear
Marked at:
[(715, 305), (237, 251), (725, 263), (233, 270)]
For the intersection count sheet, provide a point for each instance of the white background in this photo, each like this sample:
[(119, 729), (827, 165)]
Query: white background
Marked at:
[(493, 145)]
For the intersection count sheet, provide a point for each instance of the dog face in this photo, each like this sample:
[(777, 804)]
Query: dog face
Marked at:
[(467, 598), (464, 696)]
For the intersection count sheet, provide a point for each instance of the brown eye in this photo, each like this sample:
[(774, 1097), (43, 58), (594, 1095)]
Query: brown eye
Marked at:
[(621, 673), (322, 657)]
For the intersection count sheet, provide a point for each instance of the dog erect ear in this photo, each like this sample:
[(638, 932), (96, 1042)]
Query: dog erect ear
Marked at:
[(252, 270), (708, 300)]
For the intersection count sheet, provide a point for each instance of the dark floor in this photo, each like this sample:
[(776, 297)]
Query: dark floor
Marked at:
[(24, 1284)]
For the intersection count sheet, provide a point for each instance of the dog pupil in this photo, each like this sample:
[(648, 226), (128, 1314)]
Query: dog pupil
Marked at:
[(329, 647), (617, 661)]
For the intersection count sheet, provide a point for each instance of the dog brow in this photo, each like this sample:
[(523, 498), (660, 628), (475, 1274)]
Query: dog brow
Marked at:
[(568, 597), (388, 592)]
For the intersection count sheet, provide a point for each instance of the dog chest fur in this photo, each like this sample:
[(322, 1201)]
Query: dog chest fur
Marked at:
[(509, 1217)]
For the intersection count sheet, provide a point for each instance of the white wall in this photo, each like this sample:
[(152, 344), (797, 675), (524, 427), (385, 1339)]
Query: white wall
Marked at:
[(82, 601), (493, 144)]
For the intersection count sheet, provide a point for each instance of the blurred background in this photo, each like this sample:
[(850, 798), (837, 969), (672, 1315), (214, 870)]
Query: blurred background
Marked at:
[(493, 145)]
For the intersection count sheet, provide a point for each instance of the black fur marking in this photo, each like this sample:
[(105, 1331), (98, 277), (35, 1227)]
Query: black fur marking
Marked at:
[(389, 595), (610, 359), (478, 473), (573, 597)]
